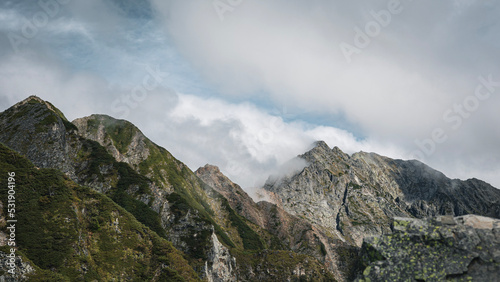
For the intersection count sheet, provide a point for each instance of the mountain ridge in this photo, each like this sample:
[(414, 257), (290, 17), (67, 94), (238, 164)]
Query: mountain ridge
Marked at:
[(337, 190), (314, 230), (241, 234), (155, 187)]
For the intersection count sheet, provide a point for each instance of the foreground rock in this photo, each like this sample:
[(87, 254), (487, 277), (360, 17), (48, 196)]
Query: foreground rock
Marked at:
[(435, 249)]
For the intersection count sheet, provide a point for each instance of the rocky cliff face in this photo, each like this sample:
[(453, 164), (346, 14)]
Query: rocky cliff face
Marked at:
[(223, 266), (34, 119), (464, 248), (357, 196), (288, 232), (120, 138), (237, 197)]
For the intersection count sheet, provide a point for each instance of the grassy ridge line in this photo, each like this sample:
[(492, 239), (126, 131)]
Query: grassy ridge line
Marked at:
[(189, 190)]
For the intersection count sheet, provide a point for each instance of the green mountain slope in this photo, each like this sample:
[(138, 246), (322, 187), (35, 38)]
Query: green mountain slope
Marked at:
[(39, 131), (79, 234), (36, 129)]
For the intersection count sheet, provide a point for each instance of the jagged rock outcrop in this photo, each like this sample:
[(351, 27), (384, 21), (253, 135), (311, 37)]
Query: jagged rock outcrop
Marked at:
[(464, 248), (223, 265), (34, 119), (288, 232), (237, 197), (21, 270), (120, 138), (357, 196)]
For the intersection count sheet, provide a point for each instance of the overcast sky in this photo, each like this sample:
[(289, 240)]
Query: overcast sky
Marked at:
[(248, 85)]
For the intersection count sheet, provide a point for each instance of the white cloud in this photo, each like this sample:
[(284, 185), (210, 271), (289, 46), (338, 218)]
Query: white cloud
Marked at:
[(289, 54), (247, 143), (396, 90)]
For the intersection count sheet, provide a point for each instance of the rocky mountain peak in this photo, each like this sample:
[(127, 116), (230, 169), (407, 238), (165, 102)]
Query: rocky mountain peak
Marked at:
[(358, 195), (34, 100), (323, 154), (215, 178), (238, 199), (40, 131), (286, 230), (321, 145), (208, 168), (121, 138)]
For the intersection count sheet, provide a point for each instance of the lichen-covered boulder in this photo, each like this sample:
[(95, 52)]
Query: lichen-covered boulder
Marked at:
[(464, 248)]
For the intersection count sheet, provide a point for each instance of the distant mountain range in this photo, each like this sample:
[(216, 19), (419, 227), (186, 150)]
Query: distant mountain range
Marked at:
[(99, 201)]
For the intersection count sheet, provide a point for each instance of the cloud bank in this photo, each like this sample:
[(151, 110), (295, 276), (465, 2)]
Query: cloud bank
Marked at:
[(251, 86), (398, 88)]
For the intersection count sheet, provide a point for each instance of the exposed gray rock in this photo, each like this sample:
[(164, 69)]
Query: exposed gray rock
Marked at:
[(464, 248), (134, 153), (21, 269), (356, 196), (290, 232), (237, 197), (34, 128), (222, 265)]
